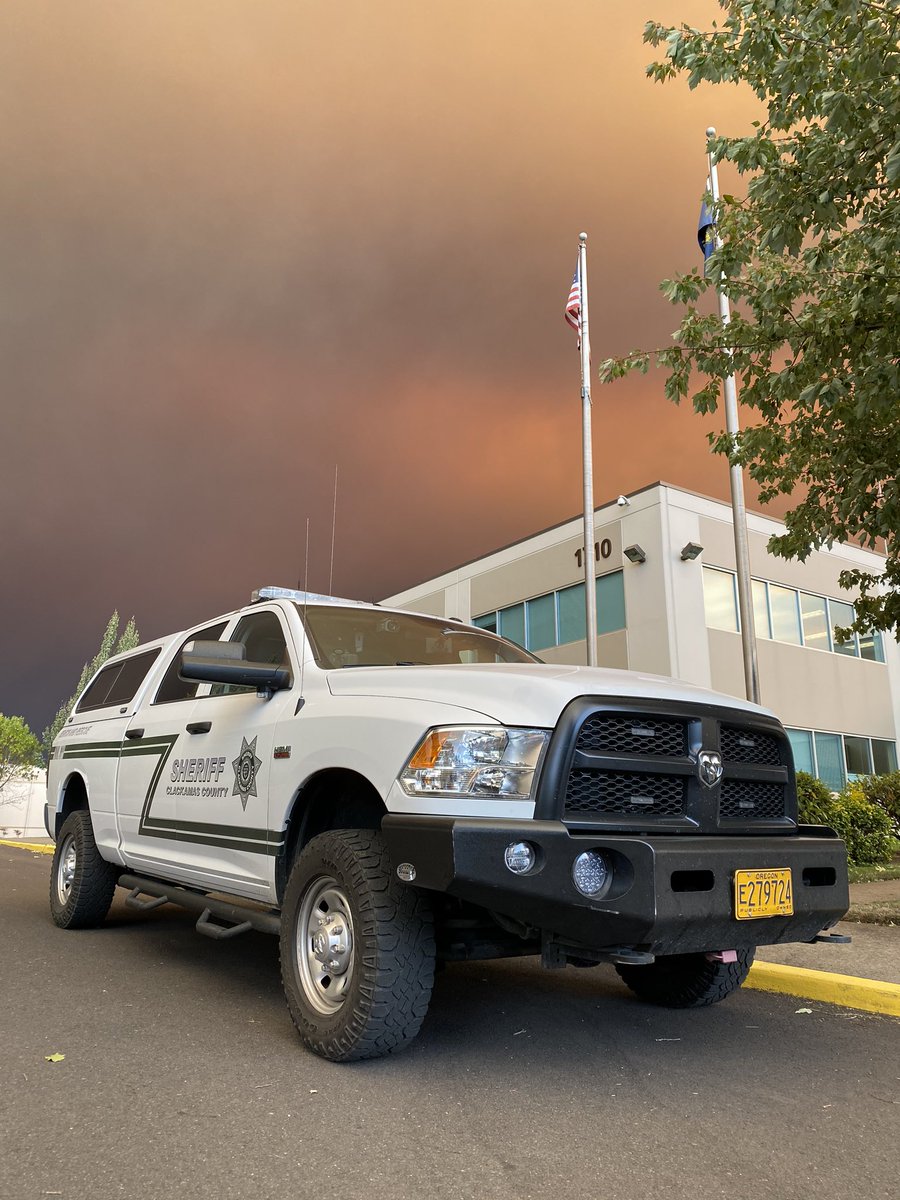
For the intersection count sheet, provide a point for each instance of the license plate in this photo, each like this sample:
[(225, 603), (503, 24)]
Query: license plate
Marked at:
[(763, 894)]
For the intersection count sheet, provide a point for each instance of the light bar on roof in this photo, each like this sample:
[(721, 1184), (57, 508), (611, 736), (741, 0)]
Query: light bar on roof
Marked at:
[(280, 593)]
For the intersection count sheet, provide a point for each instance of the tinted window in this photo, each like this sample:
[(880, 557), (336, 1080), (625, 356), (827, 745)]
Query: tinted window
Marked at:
[(785, 614), (719, 599), (118, 682), (571, 614), (830, 760), (856, 750), (512, 623), (884, 756), (842, 617), (175, 688), (761, 610), (801, 744), (263, 638), (541, 622), (611, 602)]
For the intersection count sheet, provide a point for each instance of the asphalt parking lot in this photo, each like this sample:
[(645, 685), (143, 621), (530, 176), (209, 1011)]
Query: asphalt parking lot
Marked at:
[(183, 1077)]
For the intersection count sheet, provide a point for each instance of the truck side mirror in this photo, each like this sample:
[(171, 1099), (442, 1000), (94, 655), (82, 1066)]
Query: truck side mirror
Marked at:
[(226, 662)]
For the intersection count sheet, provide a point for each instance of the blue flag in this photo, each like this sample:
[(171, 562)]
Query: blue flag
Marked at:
[(706, 232)]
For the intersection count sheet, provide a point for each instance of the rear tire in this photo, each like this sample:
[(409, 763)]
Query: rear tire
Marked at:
[(686, 980), (357, 949), (82, 883)]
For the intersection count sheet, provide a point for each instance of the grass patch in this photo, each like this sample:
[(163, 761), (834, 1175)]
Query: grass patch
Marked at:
[(876, 872), (877, 912)]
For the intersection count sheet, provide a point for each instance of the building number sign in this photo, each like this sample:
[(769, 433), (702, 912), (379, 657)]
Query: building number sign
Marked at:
[(601, 550)]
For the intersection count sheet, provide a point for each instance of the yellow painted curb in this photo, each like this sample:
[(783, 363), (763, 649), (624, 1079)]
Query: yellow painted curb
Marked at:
[(35, 847), (870, 995)]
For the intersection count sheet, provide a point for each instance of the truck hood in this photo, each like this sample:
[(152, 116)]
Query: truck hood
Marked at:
[(519, 693)]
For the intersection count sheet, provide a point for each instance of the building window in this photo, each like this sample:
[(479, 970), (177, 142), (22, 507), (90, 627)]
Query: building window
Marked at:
[(787, 615), (884, 756), (558, 617), (815, 621), (720, 599), (512, 623), (761, 620), (571, 614), (834, 757), (858, 756), (611, 602), (871, 646), (830, 760), (841, 614), (802, 747), (541, 622)]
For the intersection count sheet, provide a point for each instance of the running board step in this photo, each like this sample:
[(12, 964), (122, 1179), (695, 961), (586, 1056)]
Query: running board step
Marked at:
[(230, 919)]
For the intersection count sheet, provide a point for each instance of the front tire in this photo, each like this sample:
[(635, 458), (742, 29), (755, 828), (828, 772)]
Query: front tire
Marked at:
[(686, 980), (82, 883), (357, 949)]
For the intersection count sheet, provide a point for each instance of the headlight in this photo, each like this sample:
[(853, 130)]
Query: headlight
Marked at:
[(497, 763)]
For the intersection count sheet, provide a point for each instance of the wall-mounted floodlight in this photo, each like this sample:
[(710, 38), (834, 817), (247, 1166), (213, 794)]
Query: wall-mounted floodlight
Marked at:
[(691, 551), (635, 554)]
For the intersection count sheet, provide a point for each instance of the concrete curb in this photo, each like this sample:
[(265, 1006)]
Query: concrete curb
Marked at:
[(34, 847), (870, 995)]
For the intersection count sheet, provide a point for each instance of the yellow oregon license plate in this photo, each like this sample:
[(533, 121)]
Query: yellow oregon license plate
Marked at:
[(763, 893)]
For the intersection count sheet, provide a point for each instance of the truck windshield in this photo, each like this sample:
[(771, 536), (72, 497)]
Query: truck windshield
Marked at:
[(362, 637)]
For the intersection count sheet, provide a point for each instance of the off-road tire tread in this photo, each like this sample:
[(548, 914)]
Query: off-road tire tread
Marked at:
[(394, 950), (686, 980), (94, 881)]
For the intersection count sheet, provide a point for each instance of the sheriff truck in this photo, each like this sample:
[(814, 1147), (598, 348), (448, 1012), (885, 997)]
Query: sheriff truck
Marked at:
[(385, 791)]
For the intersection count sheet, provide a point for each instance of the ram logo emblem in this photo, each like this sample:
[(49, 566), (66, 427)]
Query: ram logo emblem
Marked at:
[(709, 767)]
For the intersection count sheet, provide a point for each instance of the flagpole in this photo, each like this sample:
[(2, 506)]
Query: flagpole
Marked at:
[(590, 590), (741, 541)]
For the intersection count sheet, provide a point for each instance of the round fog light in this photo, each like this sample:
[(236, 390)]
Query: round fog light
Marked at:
[(520, 857), (592, 873)]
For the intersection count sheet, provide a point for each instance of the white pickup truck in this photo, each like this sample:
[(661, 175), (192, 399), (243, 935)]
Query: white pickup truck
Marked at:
[(385, 790)]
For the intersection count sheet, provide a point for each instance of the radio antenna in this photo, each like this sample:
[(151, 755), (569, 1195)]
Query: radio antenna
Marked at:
[(305, 627), (333, 524)]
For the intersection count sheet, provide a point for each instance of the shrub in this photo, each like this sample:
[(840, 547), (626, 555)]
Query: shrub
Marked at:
[(869, 828), (815, 802), (865, 827), (884, 790)]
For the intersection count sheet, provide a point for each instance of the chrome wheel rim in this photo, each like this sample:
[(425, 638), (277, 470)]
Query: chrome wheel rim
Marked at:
[(65, 870), (324, 945)]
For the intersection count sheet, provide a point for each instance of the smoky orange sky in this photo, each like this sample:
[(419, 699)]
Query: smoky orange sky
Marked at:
[(243, 243)]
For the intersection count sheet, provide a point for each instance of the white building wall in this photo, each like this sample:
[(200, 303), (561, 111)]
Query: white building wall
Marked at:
[(22, 807)]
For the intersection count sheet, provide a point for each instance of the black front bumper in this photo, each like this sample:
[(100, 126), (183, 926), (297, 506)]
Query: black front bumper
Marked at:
[(670, 894)]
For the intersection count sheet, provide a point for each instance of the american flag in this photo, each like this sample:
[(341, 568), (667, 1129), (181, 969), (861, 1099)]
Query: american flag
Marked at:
[(573, 304)]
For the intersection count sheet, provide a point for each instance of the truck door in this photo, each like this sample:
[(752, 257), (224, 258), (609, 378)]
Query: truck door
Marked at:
[(90, 743), (157, 741), (234, 739)]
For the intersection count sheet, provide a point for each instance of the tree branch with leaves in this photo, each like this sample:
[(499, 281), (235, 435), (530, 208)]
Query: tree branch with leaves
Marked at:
[(810, 259)]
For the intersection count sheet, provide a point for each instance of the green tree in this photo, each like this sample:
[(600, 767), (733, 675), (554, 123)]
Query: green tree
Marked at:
[(20, 751), (111, 643), (810, 258)]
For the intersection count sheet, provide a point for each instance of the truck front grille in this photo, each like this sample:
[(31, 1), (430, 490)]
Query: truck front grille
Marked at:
[(625, 792), (632, 765), (750, 800), (749, 746), (602, 734)]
